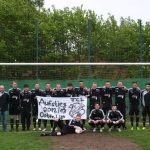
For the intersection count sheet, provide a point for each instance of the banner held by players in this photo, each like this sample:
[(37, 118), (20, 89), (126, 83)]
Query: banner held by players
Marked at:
[(64, 108)]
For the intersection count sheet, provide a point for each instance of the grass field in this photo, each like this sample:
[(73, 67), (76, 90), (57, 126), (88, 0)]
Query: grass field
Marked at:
[(32, 140)]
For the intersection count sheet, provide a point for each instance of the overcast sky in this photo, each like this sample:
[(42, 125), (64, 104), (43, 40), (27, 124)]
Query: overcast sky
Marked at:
[(136, 9)]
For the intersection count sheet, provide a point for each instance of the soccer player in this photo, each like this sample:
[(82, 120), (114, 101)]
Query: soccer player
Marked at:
[(120, 100), (4, 100), (94, 95), (114, 118), (14, 105), (34, 93), (134, 102), (25, 100), (106, 96), (145, 98), (58, 91), (81, 91), (69, 92), (97, 118), (75, 126), (48, 93)]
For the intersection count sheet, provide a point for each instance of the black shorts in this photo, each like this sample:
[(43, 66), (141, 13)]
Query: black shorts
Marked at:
[(134, 110), (14, 110), (106, 108), (34, 111), (146, 111), (122, 109)]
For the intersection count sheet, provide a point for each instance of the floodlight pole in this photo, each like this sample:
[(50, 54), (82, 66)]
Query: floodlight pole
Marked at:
[(140, 45), (37, 49), (89, 46)]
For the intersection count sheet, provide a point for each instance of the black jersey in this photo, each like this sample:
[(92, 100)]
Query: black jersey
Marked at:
[(94, 95), (114, 115), (48, 93), (59, 93), (97, 114), (14, 97), (34, 94), (73, 123), (120, 96), (81, 92), (25, 101), (69, 93), (134, 96), (106, 96)]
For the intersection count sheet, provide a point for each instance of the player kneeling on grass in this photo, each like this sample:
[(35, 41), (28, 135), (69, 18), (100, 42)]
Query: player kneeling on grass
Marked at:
[(114, 118), (97, 118), (75, 126)]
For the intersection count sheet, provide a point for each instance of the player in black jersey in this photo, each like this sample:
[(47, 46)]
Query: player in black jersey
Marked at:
[(134, 102), (48, 92), (69, 92), (114, 118), (94, 95), (81, 91), (14, 105), (34, 93), (25, 101), (120, 100), (106, 96)]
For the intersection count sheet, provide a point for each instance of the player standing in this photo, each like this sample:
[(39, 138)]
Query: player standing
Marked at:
[(94, 95), (134, 102), (106, 96), (14, 105), (81, 91), (120, 100), (25, 100), (48, 93), (34, 93)]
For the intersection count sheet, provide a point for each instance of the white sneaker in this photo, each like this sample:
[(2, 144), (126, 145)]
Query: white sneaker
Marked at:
[(119, 130), (44, 129), (101, 130), (94, 130), (84, 129), (40, 129), (109, 130), (58, 133), (34, 129)]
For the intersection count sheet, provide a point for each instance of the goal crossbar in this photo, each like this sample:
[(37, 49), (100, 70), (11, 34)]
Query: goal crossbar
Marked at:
[(76, 64)]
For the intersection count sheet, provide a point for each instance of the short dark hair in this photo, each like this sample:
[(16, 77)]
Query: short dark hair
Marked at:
[(147, 84), (80, 81), (96, 103), (134, 82), (26, 86), (36, 83), (78, 115), (113, 105), (47, 83), (69, 84)]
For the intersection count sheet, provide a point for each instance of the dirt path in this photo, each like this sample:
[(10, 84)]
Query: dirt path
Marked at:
[(92, 141)]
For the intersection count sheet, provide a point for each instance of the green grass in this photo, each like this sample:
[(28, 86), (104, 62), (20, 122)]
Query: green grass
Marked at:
[(22, 141), (32, 140), (142, 138)]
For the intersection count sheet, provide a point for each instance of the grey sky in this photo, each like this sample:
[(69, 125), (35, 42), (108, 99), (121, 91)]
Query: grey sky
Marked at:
[(136, 9)]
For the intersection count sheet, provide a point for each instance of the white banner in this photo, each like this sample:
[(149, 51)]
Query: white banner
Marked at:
[(65, 108)]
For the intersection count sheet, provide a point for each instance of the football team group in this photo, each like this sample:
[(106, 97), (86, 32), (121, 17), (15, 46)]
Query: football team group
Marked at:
[(103, 111)]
